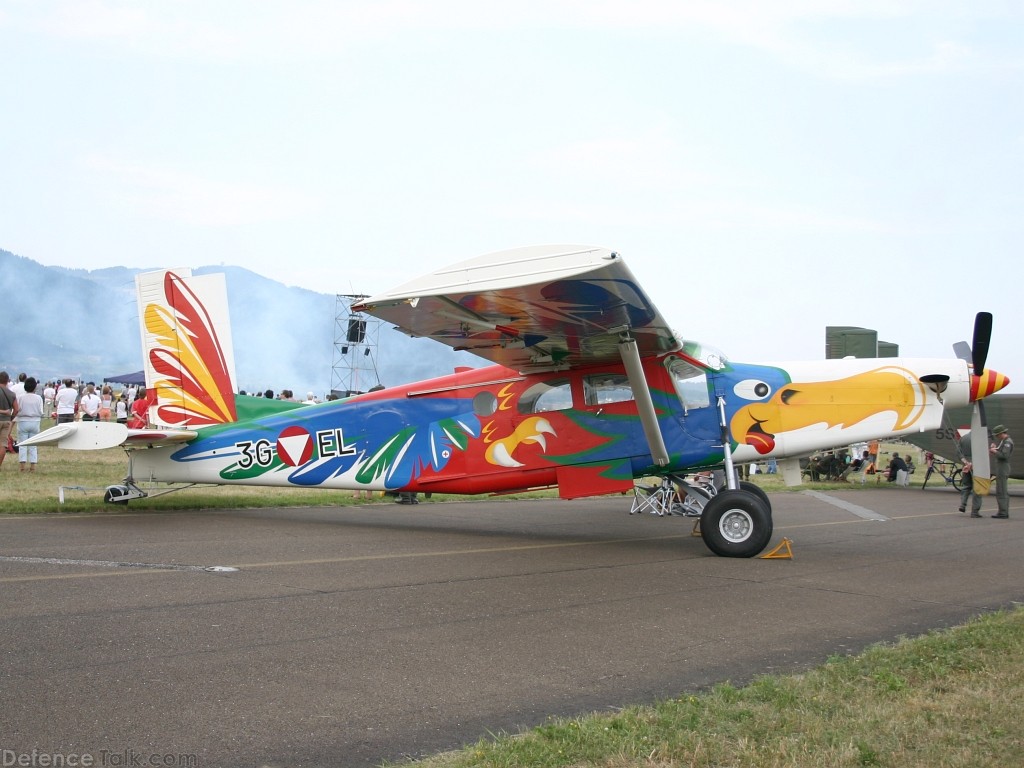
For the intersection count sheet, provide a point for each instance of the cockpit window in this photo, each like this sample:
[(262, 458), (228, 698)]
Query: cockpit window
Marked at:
[(604, 388), (713, 358), (554, 395), (691, 383)]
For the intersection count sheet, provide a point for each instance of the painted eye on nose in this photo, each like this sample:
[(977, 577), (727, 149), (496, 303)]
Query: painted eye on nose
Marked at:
[(752, 389)]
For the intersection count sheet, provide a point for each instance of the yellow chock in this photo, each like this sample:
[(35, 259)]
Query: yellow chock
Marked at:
[(782, 552), (696, 528)]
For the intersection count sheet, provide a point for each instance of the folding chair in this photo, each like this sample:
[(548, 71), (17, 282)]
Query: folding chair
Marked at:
[(656, 499)]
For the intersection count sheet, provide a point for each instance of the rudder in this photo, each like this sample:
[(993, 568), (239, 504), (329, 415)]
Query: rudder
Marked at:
[(187, 352)]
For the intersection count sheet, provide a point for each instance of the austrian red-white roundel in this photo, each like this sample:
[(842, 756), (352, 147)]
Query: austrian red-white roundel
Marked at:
[(294, 446)]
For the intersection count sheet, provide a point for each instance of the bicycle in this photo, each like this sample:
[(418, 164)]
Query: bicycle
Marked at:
[(954, 478)]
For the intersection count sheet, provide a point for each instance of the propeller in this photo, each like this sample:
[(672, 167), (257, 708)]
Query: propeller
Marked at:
[(982, 336), (977, 353)]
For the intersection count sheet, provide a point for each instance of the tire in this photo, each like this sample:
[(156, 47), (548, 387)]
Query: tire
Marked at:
[(116, 494), (957, 479), (736, 524), (756, 489)]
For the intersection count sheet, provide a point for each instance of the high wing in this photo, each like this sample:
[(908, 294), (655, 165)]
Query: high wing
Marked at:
[(532, 308)]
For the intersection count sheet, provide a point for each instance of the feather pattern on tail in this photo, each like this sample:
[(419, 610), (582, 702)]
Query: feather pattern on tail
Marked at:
[(196, 389)]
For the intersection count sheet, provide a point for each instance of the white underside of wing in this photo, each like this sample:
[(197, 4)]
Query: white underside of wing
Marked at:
[(98, 435)]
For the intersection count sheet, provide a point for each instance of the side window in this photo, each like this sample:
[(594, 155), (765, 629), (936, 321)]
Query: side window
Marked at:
[(604, 388), (691, 384), (554, 395)]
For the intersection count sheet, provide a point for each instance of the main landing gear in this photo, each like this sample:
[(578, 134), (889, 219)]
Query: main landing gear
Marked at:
[(733, 523), (736, 523)]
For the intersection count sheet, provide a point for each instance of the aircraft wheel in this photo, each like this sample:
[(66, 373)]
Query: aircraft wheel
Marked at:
[(756, 489), (736, 524), (116, 494)]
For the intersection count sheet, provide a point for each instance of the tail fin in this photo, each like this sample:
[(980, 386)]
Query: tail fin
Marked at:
[(186, 345)]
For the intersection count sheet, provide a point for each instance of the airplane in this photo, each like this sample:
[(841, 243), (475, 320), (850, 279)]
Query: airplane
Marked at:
[(588, 389)]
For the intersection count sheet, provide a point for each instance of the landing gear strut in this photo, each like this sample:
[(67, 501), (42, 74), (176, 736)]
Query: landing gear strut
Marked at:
[(737, 521)]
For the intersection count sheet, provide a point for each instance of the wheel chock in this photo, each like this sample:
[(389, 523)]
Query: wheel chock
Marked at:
[(696, 528), (782, 552)]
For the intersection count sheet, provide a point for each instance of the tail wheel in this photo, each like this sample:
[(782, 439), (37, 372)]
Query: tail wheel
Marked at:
[(116, 494), (736, 524)]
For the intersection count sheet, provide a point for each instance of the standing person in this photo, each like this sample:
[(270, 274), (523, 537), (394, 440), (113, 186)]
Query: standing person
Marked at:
[(106, 402), (90, 404), (49, 393), (873, 452), (30, 414), (66, 401), (121, 409), (967, 494), (1001, 451), (8, 410), (140, 411)]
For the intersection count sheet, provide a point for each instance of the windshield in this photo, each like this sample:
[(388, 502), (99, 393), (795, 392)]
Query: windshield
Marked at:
[(712, 357)]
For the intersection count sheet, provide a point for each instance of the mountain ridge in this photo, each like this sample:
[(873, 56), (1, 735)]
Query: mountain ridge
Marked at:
[(84, 324)]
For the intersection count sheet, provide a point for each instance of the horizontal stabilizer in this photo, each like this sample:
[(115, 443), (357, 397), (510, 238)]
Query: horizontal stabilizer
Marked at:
[(98, 435)]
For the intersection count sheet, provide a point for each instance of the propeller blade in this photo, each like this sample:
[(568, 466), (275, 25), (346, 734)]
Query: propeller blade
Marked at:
[(982, 336), (982, 468), (963, 351)]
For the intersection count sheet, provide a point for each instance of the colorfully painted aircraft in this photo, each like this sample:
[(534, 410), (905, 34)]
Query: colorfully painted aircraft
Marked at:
[(589, 389)]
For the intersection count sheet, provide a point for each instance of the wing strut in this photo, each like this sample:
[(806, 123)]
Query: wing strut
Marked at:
[(642, 394)]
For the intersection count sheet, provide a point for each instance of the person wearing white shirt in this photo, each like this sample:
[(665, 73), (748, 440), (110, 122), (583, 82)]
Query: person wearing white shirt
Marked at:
[(121, 409), (65, 401), (30, 414), (90, 404), (49, 392)]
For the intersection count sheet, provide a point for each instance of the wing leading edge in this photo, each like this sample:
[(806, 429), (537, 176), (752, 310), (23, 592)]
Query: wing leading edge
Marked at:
[(530, 308)]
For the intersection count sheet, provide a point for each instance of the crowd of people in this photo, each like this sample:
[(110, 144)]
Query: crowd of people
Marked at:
[(25, 406)]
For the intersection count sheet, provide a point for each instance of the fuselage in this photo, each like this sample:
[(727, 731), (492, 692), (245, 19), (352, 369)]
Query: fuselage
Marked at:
[(494, 429)]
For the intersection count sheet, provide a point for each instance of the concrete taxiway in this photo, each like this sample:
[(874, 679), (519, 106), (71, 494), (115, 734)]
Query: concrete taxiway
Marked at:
[(350, 635)]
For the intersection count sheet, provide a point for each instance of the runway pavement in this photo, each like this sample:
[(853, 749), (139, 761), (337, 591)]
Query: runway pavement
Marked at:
[(351, 635)]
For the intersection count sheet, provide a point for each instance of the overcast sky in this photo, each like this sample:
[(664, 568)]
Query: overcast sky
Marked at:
[(765, 168)]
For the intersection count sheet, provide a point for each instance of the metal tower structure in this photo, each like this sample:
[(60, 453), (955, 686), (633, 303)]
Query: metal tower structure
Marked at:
[(356, 336)]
